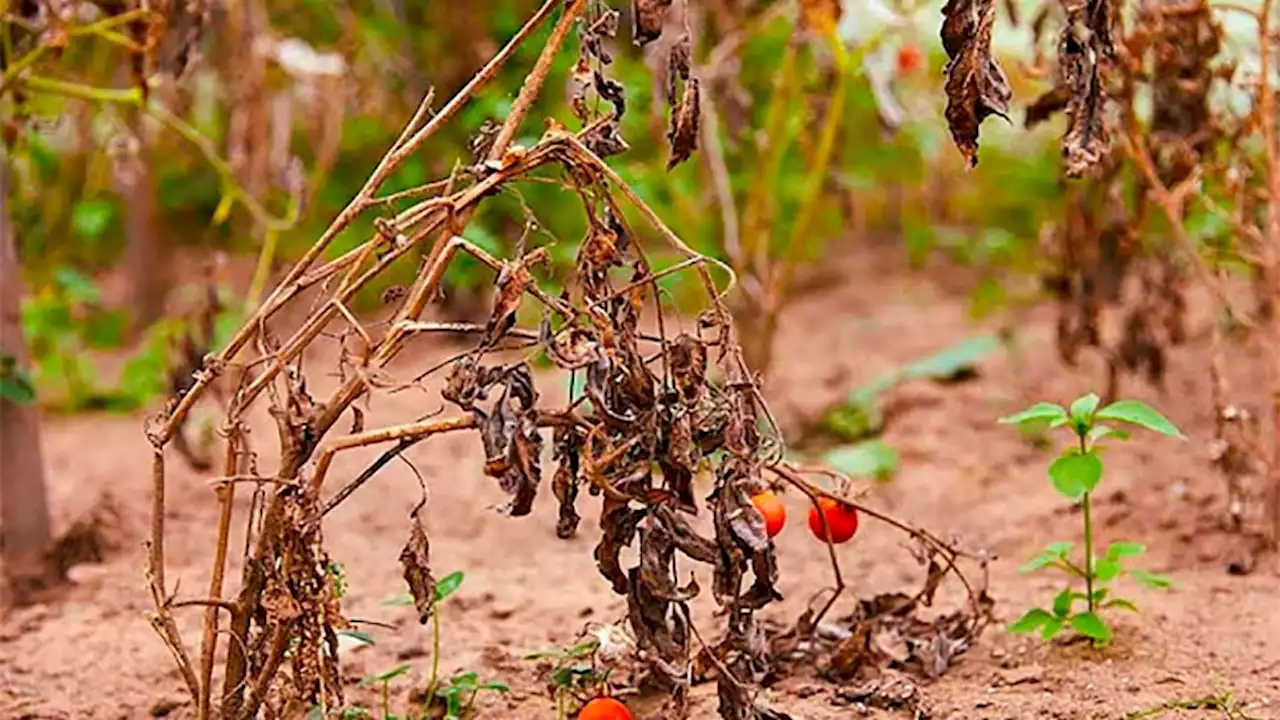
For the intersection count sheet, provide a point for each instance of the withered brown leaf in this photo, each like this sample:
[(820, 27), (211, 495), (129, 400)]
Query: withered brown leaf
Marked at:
[(1084, 43), (567, 450), (679, 63), (650, 16), (976, 85), (685, 119), (512, 443), (416, 559), (618, 522)]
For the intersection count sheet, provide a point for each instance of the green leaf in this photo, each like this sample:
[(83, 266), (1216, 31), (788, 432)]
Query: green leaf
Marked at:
[(1031, 620), (78, 288), (1062, 603), (1040, 412), (16, 386), (952, 361), (1118, 550), (1092, 626), (1122, 604), (91, 217), (1139, 413), (448, 585), (1151, 580), (1106, 570), (567, 676), (873, 458), (465, 680), (1051, 553), (1083, 407), (1099, 595), (1101, 432), (363, 637), (386, 676), (855, 419), (1074, 474), (495, 686), (1051, 628)]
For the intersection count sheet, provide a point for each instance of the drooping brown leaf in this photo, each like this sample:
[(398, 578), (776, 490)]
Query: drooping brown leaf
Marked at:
[(679, 63), (685, 118), (650, 17), (1085, 42), (513, 280), (416, 560), (568, 447), (976, 86), (684, 537), (618, 521), (606, 140), (611, 91), (512, 443)]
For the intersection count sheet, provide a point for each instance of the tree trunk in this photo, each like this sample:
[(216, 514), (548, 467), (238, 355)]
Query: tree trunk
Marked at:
[(24, 507), (145, 255)]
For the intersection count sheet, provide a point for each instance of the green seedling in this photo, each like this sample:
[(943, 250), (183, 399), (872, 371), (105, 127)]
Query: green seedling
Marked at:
[(574, 674), (581, 671), (460, 692), (457, 694), (1076, 474)]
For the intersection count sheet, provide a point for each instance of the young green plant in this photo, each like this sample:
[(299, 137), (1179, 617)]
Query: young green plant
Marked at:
[(1076, 474)]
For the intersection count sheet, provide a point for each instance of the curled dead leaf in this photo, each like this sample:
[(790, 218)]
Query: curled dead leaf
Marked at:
[(976, 85)]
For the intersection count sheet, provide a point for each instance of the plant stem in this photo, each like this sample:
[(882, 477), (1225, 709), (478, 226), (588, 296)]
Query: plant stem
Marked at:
[(1088, 538), (1088, 551), (435, 654)]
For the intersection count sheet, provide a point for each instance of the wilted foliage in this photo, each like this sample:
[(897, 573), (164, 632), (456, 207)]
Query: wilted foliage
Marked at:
[(657, 407)]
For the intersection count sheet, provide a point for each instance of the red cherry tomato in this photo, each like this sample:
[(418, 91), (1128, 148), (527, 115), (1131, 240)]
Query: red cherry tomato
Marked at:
[(604, 708), (774, 512), (909, 59), (841, 518)]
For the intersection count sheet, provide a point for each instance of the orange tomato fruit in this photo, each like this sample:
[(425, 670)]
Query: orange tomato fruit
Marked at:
[(842, 519), (909, 59), (774, 512), (604, 708)]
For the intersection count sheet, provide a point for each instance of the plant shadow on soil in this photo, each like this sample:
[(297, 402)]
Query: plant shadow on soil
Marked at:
[(90, 653)]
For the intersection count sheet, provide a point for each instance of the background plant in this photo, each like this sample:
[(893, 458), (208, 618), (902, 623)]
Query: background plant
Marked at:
[(1076, 475)]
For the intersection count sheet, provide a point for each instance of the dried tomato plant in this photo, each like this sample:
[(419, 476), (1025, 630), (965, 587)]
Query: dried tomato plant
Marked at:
[(658, 407)]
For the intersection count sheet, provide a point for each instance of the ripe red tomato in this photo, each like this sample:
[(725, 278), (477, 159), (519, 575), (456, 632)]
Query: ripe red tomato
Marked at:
[(909, 59), (841, 518), (774, 512), (604, 708)]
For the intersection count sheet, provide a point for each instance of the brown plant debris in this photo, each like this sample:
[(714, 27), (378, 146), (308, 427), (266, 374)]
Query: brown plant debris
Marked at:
[(976, 85)]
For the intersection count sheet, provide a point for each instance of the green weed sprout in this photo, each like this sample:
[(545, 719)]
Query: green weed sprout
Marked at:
[(456, 696), (1076, 475)]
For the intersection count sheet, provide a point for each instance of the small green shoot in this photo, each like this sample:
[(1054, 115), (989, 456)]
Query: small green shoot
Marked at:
[(576, 674), (1076, 474), (459, 694)]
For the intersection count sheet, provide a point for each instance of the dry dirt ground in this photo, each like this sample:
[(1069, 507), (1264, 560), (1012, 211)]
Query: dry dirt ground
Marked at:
[(90, 653)]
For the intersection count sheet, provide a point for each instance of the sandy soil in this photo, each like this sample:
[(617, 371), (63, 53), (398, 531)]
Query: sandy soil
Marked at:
[(90, 653)]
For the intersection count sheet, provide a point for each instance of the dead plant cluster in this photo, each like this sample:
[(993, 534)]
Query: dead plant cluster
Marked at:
[(659, 407)]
